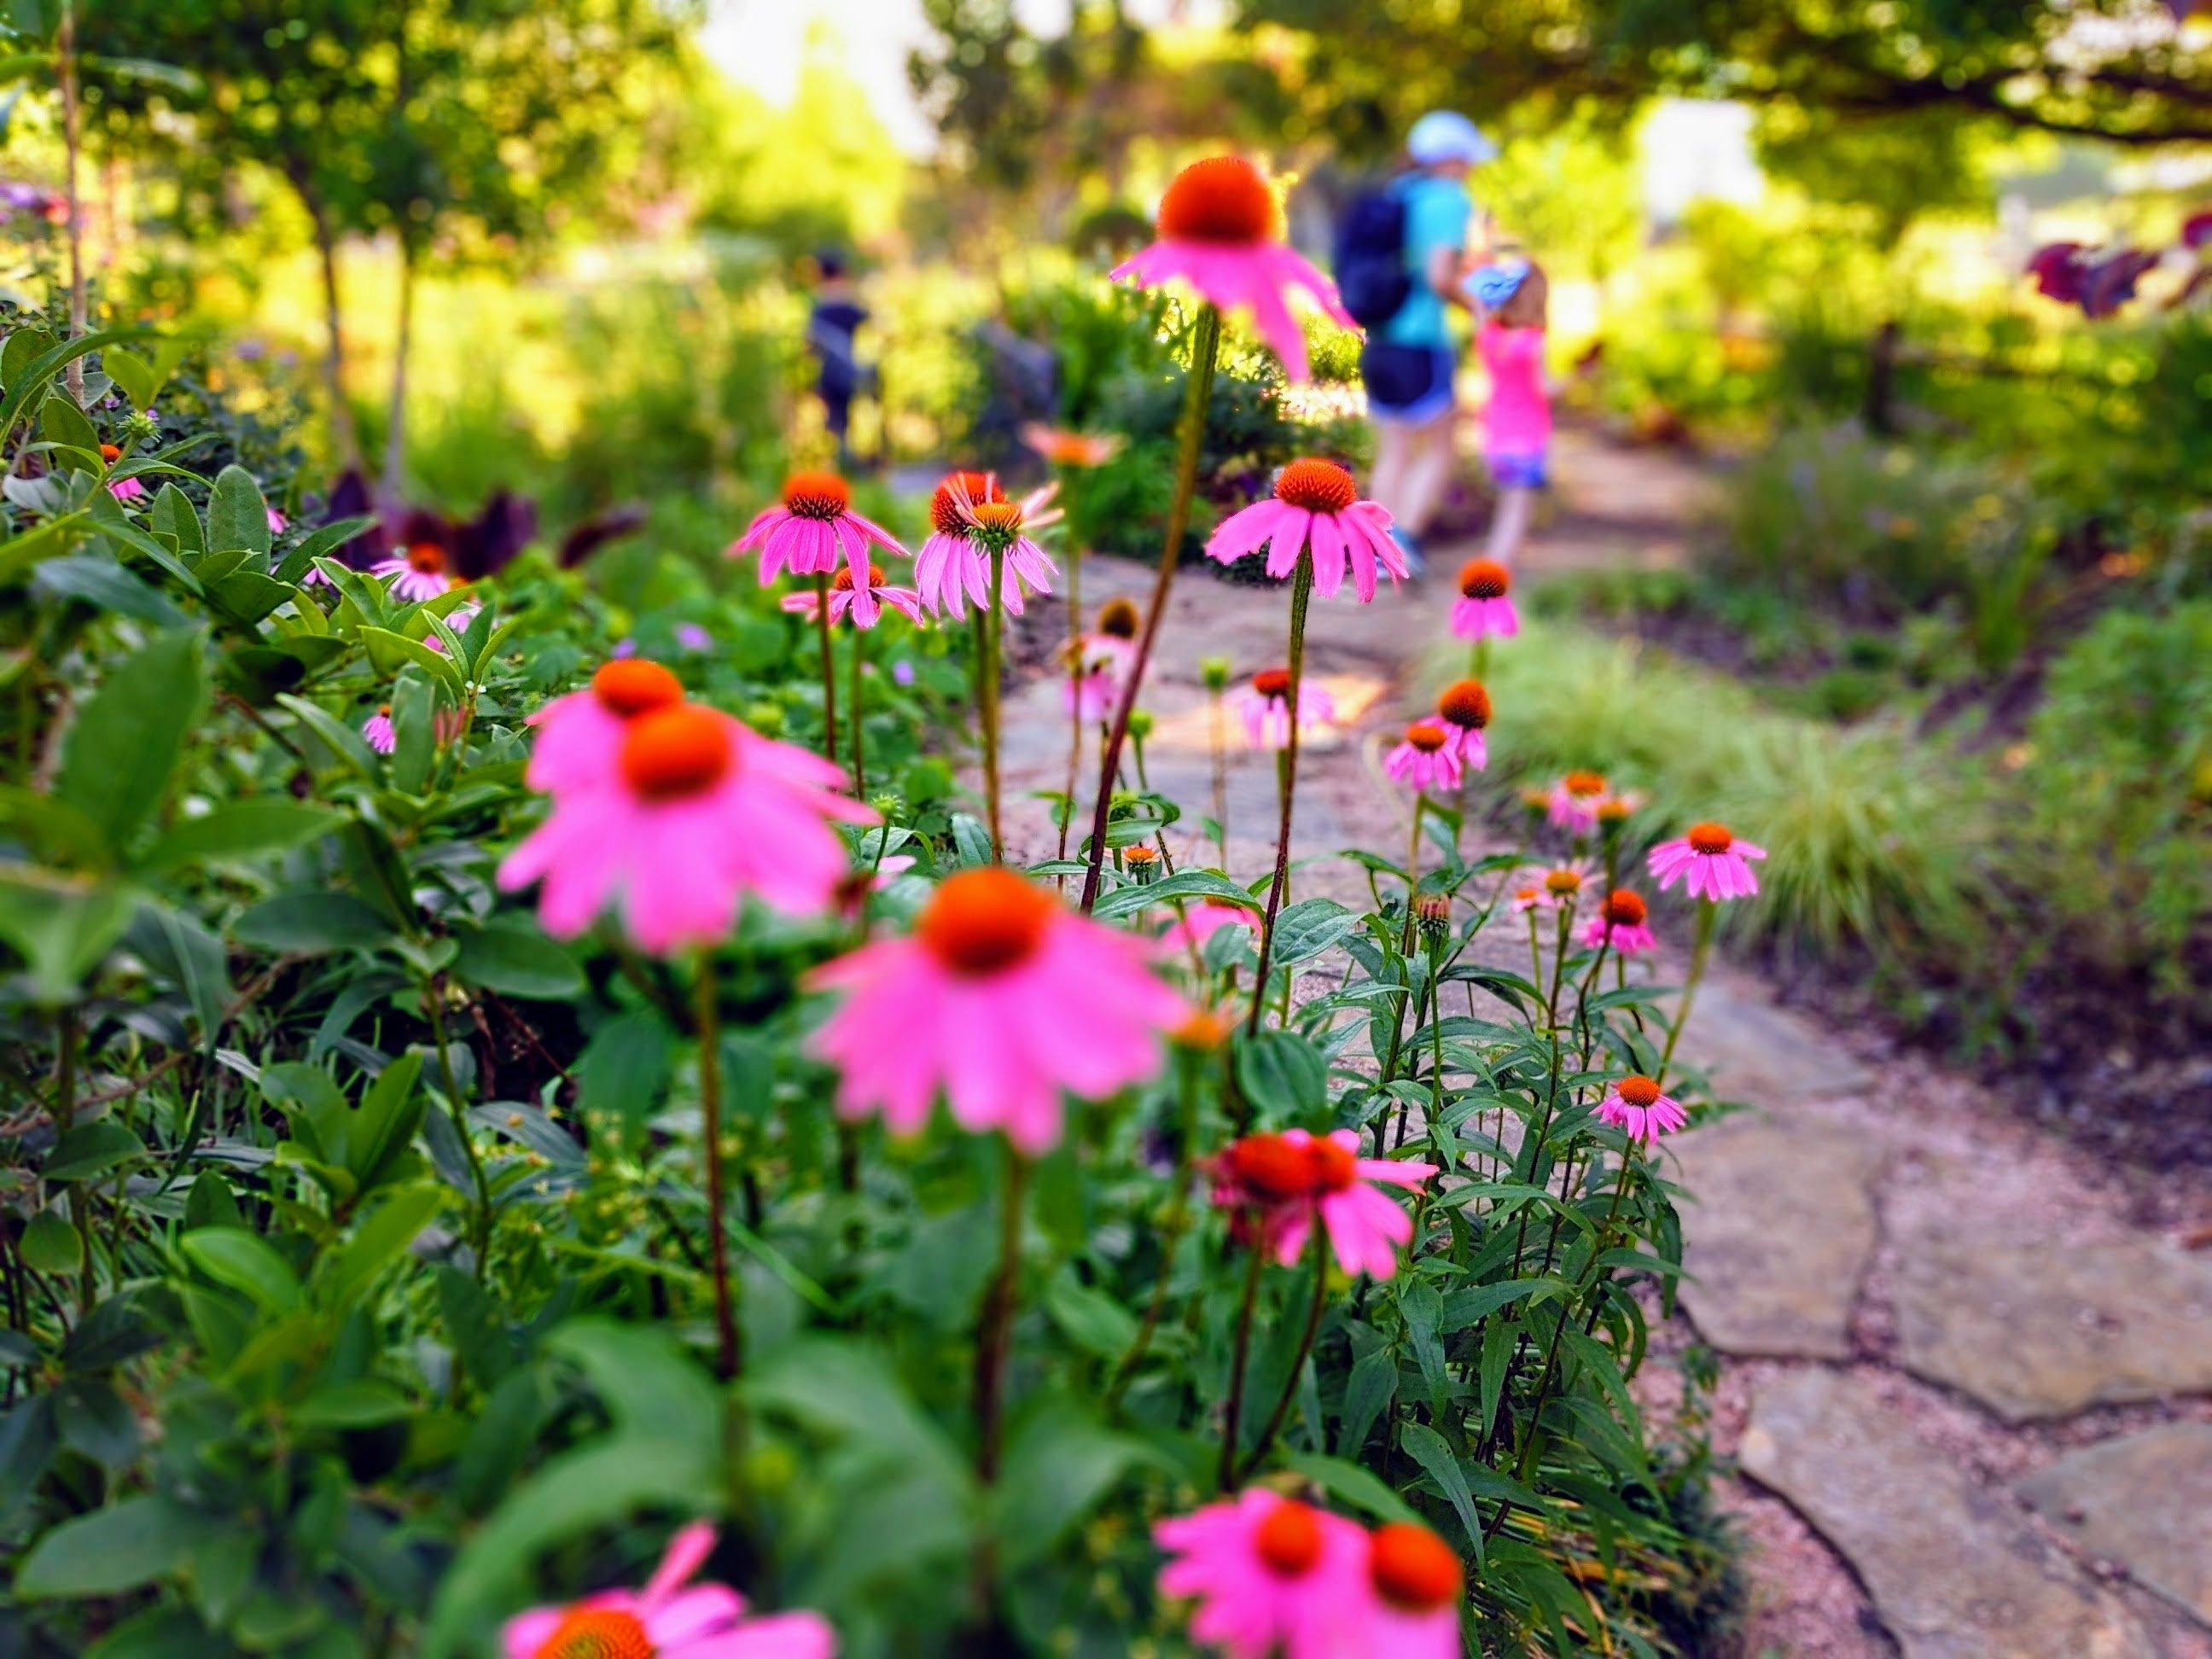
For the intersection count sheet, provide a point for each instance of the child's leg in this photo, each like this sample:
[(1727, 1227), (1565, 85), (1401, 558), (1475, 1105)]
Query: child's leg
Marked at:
[(1428, 470), (1387, 483), (1508, 525)]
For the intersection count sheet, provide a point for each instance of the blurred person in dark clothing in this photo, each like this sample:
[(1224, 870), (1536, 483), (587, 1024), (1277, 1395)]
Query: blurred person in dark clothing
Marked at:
[(831, 327)]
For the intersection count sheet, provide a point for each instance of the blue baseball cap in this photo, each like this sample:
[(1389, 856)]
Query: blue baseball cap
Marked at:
[(1444, 135)]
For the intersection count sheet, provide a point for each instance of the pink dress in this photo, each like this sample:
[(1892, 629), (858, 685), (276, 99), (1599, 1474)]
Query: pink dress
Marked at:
[(1518, 420)]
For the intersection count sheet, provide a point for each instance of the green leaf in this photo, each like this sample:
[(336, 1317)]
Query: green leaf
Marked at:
[(1283, 1075), (112, 1549), (653, 1389), (25, 382), (237, 515), (245, 1262), (1367, 1392), (91, 1150), (241, 829), (63, 927), (379, 1239), (98, 579), (172, 515), (1354, 1484), (1428, 1449), (1060, 1465), (134, 374), (310, 923), (623, 1070), (63, 422), (121, 748), (1186, 884), (389, 653), (50, 1245), (1092, 1319), (515, 957), (1308, 928), (178, 946), (361, 1403)]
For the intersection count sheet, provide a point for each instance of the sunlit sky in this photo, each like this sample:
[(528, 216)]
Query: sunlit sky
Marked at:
[(761, 43), (1691, 149)]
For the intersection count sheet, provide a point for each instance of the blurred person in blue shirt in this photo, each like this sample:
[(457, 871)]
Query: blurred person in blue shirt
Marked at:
[(1410, 361)]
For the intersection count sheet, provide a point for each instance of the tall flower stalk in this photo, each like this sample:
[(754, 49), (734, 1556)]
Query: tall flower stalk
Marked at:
[(1302, 584), (829, 666), (728, 1355), (1198, 390)]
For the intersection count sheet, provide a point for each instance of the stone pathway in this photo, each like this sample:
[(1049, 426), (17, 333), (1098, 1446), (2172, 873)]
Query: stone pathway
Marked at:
[(1970, 1401)]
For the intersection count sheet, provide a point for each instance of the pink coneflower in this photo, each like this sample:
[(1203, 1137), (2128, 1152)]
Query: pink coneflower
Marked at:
[(457, 619), (1270, 1575), (278, 522), (423, 572), (689, 812), (1464, 710), (1566, 884), (123, 490), (1621, 921), (1483, 608), (664, 1620), (1533, 894), (1617, 807), (1100, 667), (1206, 919), (1217, 231), (809, 528), (376, 731), (1265, 707), (1635, 1105), (1709, 861), (579, 736), (1001, 997), (1574, 801), (863, 603), (1313, 505), (1414, 1583), (1058, 447), (1292, 1177), (969, 514), (1424, 758)]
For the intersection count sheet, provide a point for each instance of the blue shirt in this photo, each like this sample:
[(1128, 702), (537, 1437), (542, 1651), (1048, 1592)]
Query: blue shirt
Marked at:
[(1437, 215)]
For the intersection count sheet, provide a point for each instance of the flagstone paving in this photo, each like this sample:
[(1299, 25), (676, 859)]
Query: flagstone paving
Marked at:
[(1970, 1403)]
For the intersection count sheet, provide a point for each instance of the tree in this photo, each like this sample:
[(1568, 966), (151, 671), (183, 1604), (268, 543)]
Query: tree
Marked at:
[(432, 119), (2117, 69)]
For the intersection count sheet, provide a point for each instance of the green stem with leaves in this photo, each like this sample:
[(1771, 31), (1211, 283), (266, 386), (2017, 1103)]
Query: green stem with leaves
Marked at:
[(1302, 581), (729, 1357)]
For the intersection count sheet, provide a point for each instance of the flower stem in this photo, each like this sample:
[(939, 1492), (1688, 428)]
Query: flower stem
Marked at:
[(1317, 1249), (1198, 389), (728, 1359), (993, 625), (1708, 913), (828, 667), (1171, 1230), (480, 1230), (994, 1324), (1412, 874), (1302, 581), (860, 741), (1217, 740), (1232, 1421)]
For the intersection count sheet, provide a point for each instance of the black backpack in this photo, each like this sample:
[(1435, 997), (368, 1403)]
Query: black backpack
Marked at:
[(1371, 257)]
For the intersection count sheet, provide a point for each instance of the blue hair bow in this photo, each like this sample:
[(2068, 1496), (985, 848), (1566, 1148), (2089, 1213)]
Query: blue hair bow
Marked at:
[(1497, 282)]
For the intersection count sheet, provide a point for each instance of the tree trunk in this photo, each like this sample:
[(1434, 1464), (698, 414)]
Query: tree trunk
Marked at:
[(72, 122), (392, 486), (327, 249)]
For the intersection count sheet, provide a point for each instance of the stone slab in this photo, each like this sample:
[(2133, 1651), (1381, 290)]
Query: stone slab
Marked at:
[(2142, 1500), (2035, 1331), (1776, 1233), (1954, 1569), (1767, 1055)]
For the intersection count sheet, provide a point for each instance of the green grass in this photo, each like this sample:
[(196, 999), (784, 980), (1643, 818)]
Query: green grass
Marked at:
[(1871, 838)]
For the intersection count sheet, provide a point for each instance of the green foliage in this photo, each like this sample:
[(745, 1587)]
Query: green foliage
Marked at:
[(388, 1208)]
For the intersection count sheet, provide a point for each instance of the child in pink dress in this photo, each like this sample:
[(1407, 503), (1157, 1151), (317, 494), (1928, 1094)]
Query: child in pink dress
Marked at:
[(1518, 420)]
